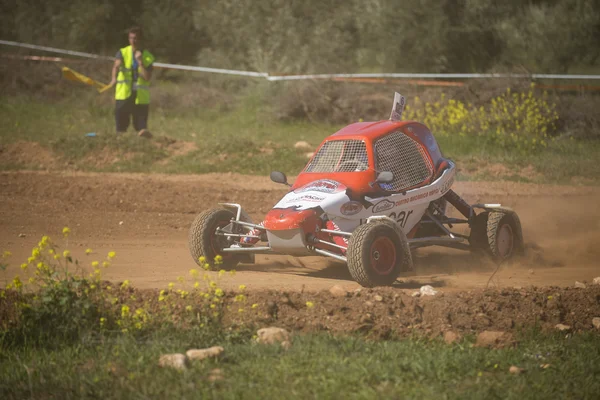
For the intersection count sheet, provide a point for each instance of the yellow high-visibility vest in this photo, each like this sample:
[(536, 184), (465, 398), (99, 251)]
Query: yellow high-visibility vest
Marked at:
[(125, 84)]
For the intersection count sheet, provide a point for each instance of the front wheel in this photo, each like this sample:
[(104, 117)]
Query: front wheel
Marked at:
[(203, 241), (377, 253)]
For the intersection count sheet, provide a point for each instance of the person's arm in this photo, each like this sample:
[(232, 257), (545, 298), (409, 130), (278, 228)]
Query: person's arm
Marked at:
[(115, 69), (145, 72)]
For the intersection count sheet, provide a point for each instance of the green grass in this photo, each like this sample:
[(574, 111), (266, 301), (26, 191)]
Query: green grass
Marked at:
[(316, 366), (245, 138)]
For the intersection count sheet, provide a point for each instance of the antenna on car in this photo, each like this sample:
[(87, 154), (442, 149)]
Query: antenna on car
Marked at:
[(398, 107)]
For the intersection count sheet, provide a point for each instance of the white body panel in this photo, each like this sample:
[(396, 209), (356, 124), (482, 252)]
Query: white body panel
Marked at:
[(406, 208)]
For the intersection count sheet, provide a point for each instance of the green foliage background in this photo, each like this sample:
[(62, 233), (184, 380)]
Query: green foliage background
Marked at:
[(278, 36)]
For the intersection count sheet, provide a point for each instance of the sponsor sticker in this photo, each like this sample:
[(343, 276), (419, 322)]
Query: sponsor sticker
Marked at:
[(351, 208), (323, 185), (383, 205), (306, 197)]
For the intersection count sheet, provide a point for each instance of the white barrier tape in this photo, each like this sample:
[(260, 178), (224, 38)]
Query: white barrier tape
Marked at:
[(214, 70), (304, 77), (55, 50), (428, 76)]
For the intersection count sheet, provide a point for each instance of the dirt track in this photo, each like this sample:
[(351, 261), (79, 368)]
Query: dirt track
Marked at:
[(144, 218)]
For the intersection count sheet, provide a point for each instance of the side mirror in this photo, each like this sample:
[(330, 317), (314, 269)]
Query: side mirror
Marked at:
[(385, 177), (279, 177)]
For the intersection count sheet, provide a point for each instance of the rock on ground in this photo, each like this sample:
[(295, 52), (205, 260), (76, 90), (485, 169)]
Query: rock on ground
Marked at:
[(201, 354), (338, 291), (562, 327), (515, 370), (596, 322), (580, 285), (451, 337), (273, 335), (494, 339), (178, 361), (215, 375), (427, 290)]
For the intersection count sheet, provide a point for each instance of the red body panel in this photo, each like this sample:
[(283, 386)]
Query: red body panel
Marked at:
[(369, 132), (284, 219)]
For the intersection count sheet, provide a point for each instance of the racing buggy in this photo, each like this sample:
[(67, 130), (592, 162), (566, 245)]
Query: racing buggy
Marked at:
[(371, 193)]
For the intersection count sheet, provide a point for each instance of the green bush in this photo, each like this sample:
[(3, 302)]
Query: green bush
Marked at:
[(60, 302)]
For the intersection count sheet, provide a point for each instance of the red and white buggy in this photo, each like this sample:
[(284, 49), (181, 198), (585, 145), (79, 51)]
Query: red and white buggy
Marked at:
[(372, 192)]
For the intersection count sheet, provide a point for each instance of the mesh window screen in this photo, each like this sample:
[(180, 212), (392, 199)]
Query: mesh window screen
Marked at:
[(404, 157), (340, 156)]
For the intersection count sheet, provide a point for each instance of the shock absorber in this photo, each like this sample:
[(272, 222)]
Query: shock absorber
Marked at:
[(462, 206)]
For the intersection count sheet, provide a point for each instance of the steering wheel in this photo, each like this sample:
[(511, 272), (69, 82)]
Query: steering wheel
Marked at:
[(347, 165)]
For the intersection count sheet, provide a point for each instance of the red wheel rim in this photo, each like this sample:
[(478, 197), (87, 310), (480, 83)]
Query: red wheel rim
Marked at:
[(383, 256), (505, 241)]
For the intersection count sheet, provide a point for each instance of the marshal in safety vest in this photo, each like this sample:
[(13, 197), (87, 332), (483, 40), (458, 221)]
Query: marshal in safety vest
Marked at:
[(125, 83)]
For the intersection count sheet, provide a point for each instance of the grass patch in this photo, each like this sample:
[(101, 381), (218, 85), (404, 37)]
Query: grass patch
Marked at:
[(245, 138), (316, 366)]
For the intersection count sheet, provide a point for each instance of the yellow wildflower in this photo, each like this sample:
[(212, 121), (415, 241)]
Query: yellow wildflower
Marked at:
[(66, 231), (111, 255), (17, 283), (201, 259), (219, 292), (310, 304), (194, 273), (6, 254), (105, 264), (95, 264), (88, 251), (125, 284), (171, 285), (188, 308), (24, 266), (240, 298), (66, 253), (124, 311), (242, 287), (255, 305)]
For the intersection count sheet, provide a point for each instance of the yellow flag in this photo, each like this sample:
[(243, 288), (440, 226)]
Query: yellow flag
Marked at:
[(71, 75)]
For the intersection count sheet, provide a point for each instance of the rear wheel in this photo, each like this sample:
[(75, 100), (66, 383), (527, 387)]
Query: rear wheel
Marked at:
[(203, 241), (498, 233), (377, 253)]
